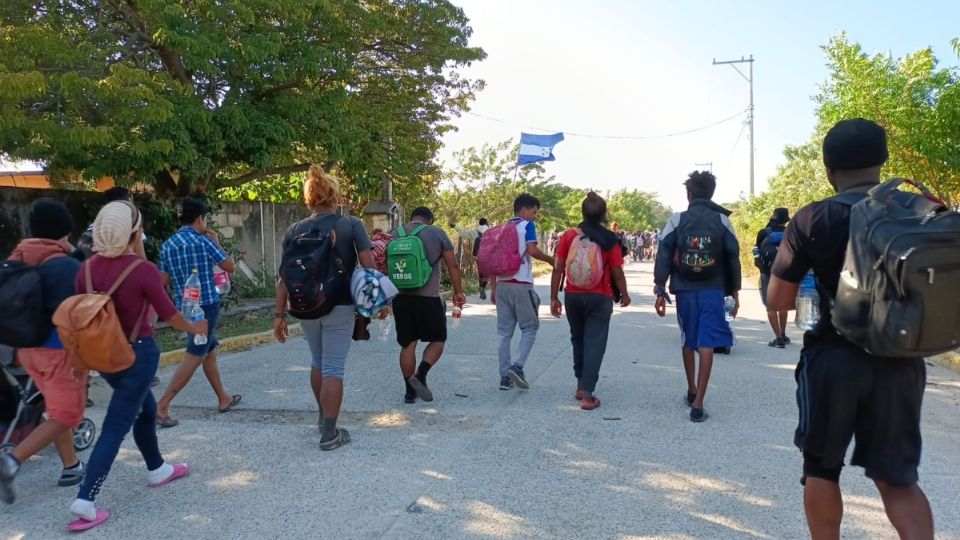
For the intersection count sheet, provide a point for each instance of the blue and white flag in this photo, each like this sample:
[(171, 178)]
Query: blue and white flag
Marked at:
[(536, 148)]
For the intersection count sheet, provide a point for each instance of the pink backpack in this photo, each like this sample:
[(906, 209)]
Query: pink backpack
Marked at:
[(499, 253), (584, 265)]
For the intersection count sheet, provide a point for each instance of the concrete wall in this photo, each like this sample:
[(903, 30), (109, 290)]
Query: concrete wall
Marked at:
[(252, 227)]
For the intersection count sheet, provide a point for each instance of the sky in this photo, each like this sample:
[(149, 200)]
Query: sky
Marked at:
[(644, 68)]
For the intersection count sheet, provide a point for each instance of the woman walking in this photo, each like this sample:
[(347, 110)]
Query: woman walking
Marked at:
[(337, 242), (588, 257), (117, 231)]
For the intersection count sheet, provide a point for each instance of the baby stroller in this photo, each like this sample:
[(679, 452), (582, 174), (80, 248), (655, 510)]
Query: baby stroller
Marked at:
[(21, 407)]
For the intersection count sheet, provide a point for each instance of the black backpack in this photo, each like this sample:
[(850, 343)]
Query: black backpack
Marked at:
[(314, 275), (24, 320), (768, 250), (700, 246), (900, 282)]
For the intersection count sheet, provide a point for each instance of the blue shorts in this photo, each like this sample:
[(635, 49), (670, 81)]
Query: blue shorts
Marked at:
[(212, 314), (703, 324)]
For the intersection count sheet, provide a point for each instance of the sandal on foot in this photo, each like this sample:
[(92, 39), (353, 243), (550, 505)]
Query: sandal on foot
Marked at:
[(342, 438), (81, 524), (590, 403), (179, 471), (578, 395), (234, 401), (167, 422), (689, 399)]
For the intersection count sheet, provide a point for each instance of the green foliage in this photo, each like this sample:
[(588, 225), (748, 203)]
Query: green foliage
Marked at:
[(637, 210), (208, 94)]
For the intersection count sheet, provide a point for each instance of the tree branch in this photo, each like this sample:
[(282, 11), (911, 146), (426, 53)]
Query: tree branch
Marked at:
[(170, 59), (255, 175)]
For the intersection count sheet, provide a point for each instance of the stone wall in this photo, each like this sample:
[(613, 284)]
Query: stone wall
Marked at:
[(251, 227)]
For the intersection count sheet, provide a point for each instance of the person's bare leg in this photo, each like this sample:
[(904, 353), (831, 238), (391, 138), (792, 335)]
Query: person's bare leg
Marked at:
[(774, 320), (690, 367), (212, 372), (706, 366), (316, 384), (433, 352), (824, 508), (782, 315), (908, 510), (50, 431), (331, 397), (181, 377), (408, 360)]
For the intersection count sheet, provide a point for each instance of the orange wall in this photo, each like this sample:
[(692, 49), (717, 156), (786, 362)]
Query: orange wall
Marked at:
[(38, 180)]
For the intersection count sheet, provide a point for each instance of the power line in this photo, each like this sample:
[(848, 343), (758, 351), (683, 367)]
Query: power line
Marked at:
[(618, 137)]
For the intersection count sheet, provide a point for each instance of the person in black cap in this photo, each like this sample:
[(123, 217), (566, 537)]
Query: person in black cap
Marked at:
[(843, 391), (764, 253)]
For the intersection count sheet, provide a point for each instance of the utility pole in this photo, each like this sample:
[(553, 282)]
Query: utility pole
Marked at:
[(707, 164), (749, 79)]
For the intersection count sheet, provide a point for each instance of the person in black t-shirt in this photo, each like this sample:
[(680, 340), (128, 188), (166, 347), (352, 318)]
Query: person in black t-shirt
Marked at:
[(777, 318), (843, 392)]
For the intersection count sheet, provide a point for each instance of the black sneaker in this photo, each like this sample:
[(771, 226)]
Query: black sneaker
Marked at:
[(8, 469), (776, 343), (72, 477), (505, 383), (410, 398), (420, 388), (698, 415), (483, 294), (786, 340), (516, 375), (689, 399)]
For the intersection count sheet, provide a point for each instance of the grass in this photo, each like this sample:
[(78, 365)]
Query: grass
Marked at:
[(252, 322)]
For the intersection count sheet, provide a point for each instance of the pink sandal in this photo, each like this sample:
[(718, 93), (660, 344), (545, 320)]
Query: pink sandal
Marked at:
[(81, 524), (179, 470)]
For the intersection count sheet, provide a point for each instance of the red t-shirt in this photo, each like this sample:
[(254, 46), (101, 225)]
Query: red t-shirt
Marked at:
[(142, 285), (611, 258)]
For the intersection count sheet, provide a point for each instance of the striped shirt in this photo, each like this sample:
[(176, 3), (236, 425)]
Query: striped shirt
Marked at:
[(188, 250)]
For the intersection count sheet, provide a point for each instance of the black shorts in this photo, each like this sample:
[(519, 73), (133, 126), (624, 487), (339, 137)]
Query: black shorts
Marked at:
[(842, 393), (422, 318)]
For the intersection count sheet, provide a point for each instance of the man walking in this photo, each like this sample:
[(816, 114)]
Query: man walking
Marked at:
[(195, 248), (706, 268), (768, 242), (517, 303), (420, 313), (843, 391), (482, 227)]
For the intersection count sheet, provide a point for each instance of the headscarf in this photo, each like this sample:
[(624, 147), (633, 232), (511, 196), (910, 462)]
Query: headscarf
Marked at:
[(113, 227)]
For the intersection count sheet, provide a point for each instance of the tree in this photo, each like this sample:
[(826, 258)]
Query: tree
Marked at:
[(637, 210), (209, 94)]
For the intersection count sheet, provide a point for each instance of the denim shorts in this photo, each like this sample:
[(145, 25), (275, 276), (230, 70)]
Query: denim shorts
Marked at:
[(703, 323), (212, 314)]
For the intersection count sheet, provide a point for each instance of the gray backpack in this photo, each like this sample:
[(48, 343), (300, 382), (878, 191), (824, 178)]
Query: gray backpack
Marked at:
[(900, 284)]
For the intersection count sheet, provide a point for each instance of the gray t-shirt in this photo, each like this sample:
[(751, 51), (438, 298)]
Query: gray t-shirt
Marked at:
[(352, 238), (435, 242)]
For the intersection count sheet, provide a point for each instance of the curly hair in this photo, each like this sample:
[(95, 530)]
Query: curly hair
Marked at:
[(320, 190), (701, 185)]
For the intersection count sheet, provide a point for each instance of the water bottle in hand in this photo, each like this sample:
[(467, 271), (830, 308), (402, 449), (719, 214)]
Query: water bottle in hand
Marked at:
[(457, 314), (384, 328), (197, 315), (728, 304)]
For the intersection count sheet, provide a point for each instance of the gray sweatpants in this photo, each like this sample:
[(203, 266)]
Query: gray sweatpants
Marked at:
[(517, 305)]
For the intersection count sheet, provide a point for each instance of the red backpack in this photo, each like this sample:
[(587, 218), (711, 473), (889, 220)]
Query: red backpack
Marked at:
[(499, 253)]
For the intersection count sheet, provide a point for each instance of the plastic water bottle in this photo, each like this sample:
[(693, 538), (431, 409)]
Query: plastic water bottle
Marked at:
[(191, 304), (384, 328), (457, 315), (221, 279), (756, 253), (728, 304), (808, 304)]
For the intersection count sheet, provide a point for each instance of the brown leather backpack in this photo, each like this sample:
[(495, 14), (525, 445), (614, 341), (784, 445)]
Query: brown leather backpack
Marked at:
[(90, 329)]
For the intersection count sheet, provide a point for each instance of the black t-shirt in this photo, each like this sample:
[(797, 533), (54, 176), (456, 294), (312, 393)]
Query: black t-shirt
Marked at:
[(816, 239)]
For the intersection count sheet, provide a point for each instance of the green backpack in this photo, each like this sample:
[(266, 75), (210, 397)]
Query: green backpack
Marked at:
[(407, 263)]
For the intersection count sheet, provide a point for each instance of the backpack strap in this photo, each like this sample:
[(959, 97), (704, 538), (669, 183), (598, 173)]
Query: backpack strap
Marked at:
[(116, 284), (417, 230), (848, 198)]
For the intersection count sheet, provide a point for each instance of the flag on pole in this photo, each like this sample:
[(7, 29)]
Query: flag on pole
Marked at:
[(536, 148)]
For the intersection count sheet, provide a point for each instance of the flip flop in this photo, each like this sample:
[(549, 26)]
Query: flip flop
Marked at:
[(233, 403), (81, 524), (179, 470), (167, 422)]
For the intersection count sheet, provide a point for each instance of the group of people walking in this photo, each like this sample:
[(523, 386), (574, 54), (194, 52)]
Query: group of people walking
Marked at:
[(844, 391)]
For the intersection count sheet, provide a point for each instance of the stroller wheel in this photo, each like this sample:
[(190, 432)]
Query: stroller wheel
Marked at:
[(6, 448), (84, 435)]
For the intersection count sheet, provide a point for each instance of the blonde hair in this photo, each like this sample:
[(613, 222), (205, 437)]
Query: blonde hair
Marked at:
[(320, 190)]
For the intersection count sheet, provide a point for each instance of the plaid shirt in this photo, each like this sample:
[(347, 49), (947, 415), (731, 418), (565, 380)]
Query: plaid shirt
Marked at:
[(184, 251)]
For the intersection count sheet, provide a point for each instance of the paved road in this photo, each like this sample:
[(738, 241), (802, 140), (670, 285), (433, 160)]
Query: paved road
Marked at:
[(482, 463)]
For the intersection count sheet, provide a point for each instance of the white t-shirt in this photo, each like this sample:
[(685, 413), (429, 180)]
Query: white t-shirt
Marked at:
[(526, 233)]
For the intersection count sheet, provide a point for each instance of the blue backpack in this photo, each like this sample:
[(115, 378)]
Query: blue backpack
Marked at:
[(768, 251)]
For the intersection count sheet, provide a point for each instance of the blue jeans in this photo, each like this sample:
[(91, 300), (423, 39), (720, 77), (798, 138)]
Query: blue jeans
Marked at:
[(589, 317), (131, 406), (211, 313)]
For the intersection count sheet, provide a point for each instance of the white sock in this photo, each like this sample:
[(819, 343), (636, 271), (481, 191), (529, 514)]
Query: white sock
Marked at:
[(160, 474), (84, 509)]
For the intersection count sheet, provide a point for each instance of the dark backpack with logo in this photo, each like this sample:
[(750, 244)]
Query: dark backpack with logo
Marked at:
[(24, 319), (314, 275), (900, 282), (699, 246), (768, 250)]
